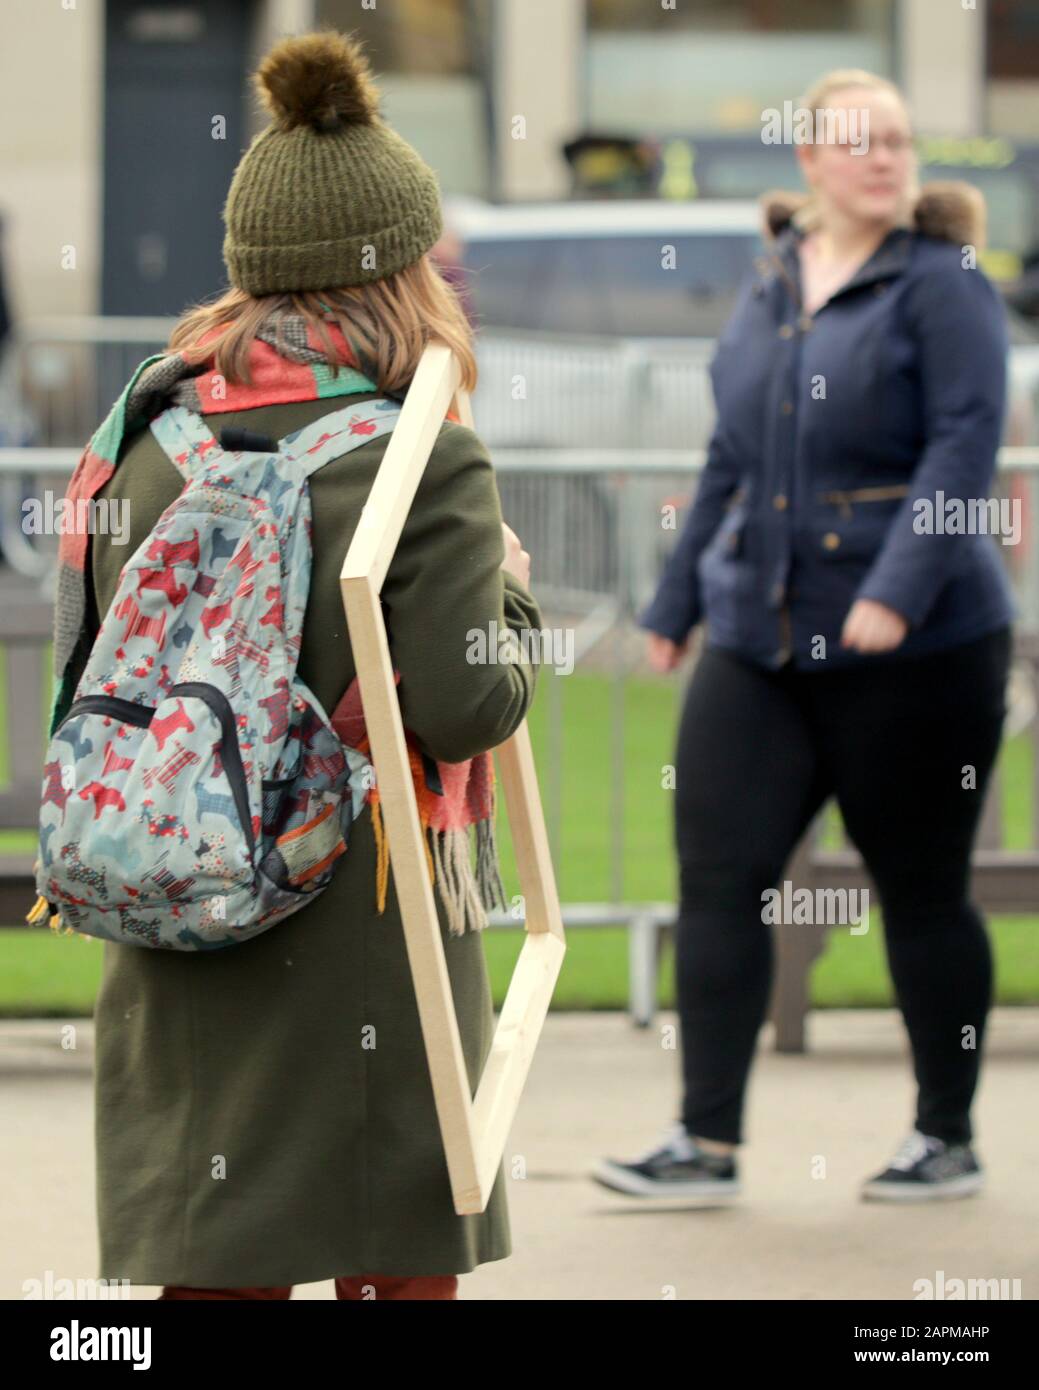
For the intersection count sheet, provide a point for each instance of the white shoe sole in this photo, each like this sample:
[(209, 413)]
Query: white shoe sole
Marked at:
[(634, 1185), (924, 1192)]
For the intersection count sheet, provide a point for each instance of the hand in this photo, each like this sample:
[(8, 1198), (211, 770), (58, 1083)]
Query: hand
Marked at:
[(517, 560), (873, 627), (664, 655)]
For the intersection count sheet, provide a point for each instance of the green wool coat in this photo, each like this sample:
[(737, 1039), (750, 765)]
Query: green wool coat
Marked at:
[(245, 1133)]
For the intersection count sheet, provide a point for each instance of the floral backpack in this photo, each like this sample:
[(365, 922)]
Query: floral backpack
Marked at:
[(196, 793)]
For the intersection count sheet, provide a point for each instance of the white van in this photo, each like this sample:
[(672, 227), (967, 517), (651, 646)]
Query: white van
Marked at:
[(638, 268)]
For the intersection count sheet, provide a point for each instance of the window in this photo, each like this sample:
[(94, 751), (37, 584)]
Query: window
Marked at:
[(432, 61), (715, 65)]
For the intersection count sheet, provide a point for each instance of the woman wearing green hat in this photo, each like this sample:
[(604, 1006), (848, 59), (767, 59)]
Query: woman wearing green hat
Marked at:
[(264, 1115)]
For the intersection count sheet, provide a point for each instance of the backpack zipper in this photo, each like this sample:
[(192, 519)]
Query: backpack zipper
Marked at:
[(230, 753), (130, 711)]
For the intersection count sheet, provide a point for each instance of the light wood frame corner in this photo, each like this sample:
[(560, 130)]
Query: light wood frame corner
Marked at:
[(474, 1129)]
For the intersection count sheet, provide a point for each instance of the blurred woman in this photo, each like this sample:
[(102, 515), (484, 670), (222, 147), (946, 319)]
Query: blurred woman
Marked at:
[(857, 644)]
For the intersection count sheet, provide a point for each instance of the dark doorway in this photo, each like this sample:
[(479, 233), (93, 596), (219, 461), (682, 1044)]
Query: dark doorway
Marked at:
[(170, 71)]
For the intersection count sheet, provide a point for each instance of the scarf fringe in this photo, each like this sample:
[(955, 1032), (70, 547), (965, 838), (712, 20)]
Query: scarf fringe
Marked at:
[(488, 873), (466, 895)]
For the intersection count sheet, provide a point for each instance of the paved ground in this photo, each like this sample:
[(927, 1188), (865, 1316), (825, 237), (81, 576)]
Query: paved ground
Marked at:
[(598, 1086)]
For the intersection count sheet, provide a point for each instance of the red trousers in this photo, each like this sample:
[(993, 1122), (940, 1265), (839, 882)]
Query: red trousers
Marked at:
[(354, 1286)]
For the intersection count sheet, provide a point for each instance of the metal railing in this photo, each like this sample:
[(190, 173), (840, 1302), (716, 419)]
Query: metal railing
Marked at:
[(68, 371), (585, 490)]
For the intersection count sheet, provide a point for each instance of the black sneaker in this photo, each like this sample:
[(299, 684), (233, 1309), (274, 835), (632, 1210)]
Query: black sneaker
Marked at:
[(675, 1167), (927, 1169)]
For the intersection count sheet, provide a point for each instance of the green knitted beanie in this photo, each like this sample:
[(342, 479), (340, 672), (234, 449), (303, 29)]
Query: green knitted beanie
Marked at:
[(328, 194)]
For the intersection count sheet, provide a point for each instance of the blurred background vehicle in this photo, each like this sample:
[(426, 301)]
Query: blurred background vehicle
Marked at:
[(652, 279), (623, 268), (681, 166)]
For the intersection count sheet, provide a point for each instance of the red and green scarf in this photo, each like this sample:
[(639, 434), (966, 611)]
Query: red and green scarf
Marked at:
[(287, 362)]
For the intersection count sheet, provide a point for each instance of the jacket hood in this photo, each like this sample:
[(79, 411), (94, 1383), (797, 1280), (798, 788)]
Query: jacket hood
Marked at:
[(949, 209)]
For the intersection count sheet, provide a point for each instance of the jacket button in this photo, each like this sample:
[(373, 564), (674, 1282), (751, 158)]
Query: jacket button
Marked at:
[(831, 540), (787, 407), (780, 502), (786, 330)]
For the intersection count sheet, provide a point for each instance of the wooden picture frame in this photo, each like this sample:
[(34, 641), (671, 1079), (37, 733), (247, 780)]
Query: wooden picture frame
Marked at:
[(474, 1129)]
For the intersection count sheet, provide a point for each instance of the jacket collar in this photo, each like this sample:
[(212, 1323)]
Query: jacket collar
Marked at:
[(887, 261), (948, 209)]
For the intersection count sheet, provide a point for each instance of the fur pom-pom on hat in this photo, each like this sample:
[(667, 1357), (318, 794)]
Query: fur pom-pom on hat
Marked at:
[(319, 80), (328, 195)]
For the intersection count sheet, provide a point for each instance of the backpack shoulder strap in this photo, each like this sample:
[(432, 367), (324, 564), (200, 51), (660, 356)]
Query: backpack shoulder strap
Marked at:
[(185, 438), (187, 441), (324, 439)]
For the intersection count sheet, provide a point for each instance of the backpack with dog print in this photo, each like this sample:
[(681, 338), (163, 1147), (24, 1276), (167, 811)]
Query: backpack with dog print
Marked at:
[(196, 793)]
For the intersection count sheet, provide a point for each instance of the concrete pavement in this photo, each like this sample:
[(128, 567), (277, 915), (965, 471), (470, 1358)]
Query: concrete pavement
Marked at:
[(817, 1124)]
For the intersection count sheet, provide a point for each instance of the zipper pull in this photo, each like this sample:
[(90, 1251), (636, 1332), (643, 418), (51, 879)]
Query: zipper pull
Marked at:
[(40, 908)]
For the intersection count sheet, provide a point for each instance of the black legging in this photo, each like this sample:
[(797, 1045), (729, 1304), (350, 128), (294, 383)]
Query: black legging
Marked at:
[(758, 753)]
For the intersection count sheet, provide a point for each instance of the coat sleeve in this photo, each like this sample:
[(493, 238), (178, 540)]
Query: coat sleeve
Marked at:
[(676, 606), (446, 602), (956, 317)]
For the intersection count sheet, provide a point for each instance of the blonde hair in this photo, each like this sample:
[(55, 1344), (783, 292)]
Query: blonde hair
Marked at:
[(391, 321), (808, 215)]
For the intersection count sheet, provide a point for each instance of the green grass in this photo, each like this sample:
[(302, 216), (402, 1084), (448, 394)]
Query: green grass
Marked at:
[(41, 973), (45, 974)]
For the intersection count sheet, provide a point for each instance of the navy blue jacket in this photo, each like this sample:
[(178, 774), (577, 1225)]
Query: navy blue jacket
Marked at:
[(830, 429)]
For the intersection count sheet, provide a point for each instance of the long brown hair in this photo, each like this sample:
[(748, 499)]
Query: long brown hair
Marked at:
[(390, 321)]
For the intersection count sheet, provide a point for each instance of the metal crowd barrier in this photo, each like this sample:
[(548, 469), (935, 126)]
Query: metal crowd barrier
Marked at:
[(606, 436)]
